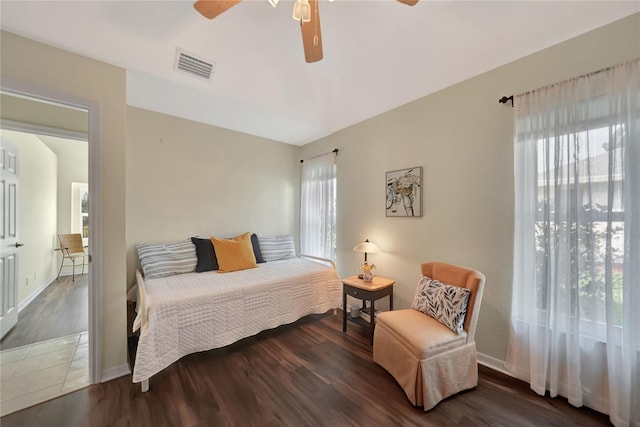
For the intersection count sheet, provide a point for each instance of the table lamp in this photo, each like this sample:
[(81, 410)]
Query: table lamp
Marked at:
[(366, 247)]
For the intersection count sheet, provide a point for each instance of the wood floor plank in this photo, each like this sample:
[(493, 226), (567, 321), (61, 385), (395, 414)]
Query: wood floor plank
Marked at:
[(61, 309), (306, 374)]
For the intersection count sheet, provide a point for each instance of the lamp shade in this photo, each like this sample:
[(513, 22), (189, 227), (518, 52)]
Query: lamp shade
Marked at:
[(366, 247)]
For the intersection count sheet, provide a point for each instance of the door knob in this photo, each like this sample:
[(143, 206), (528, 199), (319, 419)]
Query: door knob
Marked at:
[(19, 244)]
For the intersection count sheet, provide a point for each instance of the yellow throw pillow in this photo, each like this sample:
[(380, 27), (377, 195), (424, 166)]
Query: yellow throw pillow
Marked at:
[(236, 254)]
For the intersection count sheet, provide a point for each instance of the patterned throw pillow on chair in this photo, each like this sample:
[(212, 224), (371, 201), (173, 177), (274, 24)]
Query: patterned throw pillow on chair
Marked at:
[(445, 303)]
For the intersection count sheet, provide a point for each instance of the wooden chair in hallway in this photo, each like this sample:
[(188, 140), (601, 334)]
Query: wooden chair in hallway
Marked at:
[(72, 248)]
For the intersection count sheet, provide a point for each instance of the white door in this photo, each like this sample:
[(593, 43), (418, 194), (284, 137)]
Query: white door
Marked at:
[(8, 237)]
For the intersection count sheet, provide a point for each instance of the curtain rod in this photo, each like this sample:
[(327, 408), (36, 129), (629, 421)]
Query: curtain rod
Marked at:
[(506, 99), (335, 151)]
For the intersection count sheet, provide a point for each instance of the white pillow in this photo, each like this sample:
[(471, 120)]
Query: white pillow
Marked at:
[(275, 248), (445, 303)]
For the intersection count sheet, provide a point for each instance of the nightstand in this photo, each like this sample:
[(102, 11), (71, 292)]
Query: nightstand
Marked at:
[(371, 291)]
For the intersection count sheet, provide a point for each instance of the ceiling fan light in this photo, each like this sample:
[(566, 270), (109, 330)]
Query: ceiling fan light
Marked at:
[(302, 11), (273, 3)]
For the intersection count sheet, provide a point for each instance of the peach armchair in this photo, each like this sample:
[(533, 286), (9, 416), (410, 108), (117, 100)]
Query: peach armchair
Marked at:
[(428, 360)]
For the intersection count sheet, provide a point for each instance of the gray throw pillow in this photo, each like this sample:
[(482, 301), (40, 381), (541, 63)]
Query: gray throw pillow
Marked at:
[(167, 259), (274, 248)]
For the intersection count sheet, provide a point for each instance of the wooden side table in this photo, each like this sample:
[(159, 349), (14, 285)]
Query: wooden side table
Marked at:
[(371, 291)]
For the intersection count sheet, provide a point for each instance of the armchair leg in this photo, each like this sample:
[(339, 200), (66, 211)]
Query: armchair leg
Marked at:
[(73, 273)]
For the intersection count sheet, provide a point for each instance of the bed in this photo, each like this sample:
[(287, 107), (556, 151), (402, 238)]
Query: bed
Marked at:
[(186, 313)]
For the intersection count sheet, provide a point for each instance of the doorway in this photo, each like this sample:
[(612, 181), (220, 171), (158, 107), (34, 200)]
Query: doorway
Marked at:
[(47, 352)]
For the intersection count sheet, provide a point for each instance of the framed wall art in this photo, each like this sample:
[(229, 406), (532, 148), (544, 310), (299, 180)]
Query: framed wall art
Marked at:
[(404, 192)]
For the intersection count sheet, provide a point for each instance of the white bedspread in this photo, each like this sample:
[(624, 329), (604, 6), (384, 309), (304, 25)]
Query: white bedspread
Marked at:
[(194, 312)]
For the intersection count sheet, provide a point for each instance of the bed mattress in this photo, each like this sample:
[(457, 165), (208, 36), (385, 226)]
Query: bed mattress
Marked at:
[(187, 313)]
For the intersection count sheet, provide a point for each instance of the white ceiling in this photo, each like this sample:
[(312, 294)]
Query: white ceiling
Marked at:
[(377, 54)]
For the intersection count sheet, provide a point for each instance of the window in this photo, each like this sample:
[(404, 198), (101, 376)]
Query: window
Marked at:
[(574, 313), (80, 209), (318, 207), (84, 211), (580, 219)]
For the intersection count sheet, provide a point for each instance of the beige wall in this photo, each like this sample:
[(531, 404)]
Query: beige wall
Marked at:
[(55, 71), (463, 139), (73, 166), (186, 179), (37, 172)]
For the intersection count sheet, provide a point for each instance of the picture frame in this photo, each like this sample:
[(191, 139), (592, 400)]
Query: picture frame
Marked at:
[(403, 190)]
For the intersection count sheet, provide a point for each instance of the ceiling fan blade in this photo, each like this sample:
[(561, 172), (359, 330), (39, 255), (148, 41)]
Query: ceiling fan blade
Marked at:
[(408, 2), (212, 8), (311, 35)]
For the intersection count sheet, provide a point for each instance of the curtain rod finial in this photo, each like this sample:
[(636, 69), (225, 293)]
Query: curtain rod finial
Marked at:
[(506, 99)]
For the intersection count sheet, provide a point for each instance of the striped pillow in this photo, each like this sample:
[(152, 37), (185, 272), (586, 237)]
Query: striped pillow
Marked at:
[(274, 248), (168, 259)]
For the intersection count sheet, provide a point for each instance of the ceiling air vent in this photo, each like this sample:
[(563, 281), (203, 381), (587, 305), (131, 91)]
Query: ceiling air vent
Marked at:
[(189, 63)]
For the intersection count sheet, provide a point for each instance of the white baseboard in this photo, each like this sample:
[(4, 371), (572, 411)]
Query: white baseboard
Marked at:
[(29, 299), (115, 372), (493, 363), (69, 272)]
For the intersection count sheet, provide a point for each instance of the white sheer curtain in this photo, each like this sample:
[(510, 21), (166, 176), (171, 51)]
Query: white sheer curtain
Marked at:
[(575, 324), (318, 207)]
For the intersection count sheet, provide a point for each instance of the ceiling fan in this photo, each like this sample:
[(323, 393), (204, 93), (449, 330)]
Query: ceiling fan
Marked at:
[(304, 11)]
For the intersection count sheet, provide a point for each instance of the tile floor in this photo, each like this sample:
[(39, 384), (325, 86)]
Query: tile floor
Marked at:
[(34, 373)]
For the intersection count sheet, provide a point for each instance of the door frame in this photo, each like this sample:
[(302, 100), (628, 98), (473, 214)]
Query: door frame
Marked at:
[(95, 189)]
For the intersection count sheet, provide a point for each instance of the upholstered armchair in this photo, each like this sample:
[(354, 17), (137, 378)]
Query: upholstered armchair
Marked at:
[(428, 359)]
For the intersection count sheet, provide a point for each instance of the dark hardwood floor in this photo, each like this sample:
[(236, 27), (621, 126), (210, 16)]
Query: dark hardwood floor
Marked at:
[(306, 374), (61, 309)]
